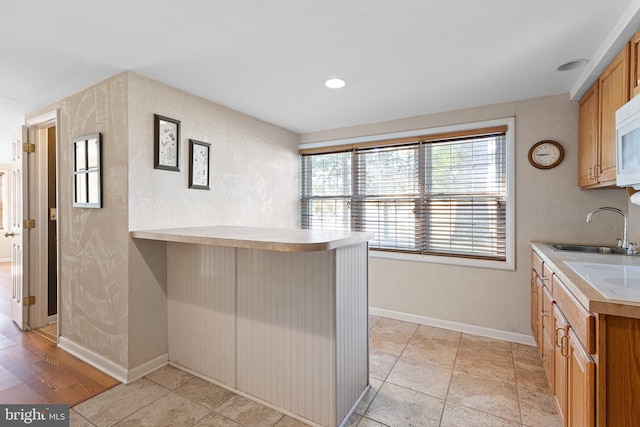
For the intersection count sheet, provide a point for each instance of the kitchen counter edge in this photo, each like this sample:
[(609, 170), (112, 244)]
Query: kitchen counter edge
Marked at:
[(272, 239), (586, 294)]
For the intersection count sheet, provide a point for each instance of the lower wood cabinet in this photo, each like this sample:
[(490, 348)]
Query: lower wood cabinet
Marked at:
[(592, 361), (580, 384), (560, 361)]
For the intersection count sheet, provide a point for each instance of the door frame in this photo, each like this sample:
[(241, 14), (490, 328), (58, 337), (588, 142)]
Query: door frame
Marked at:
[(39, 210)]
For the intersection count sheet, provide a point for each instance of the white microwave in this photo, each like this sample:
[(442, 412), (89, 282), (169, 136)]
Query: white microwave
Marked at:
[(628, 144)]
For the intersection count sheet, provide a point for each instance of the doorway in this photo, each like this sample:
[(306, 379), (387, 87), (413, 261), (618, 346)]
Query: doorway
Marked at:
[(46, 320), (42, 208)]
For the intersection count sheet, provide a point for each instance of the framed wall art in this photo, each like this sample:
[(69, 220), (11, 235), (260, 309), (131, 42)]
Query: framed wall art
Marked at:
[(199, 165), (167, 143), (87, 171)]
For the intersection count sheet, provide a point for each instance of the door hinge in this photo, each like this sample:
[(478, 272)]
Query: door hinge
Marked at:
[(29, 148), (31, 300), (29, 223)]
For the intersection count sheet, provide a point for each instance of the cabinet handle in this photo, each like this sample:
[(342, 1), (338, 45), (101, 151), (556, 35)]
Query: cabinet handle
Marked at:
[(590, 174), (545, 278), (564, 348), (560, 340), (596, 171), (534, 288), (544, 313), (544, 358)]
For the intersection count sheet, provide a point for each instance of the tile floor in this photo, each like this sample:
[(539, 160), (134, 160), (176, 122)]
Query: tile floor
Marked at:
[(420, 376)]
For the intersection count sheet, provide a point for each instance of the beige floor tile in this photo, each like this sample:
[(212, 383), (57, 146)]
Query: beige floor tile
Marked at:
[(248, 412), (290, 422), (380, 364), (498, 398), (486, 364), (119, 402), (373, 320), (531, 376), (395, 327), (439, 335), (424, 377), (371, 393), (169, 377), (432, 350), (538, 408), (171, 410), (387, 342), (460, 416), (478, 343), (216, 420), (398, 406), (77, 420), (366, 422), (203, 392), (525, 354)]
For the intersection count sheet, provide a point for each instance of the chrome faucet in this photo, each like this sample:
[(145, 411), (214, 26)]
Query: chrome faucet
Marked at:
[(624, 242)]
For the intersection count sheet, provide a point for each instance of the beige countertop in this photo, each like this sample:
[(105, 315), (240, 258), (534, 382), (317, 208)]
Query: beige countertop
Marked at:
[(586, 294), (272, 239)]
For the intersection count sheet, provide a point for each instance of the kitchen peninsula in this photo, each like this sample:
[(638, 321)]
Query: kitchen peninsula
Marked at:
[(278, 315)]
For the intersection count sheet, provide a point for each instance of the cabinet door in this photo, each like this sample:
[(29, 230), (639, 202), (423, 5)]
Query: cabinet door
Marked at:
[(614, 93), (634, 66), (560, 362), (534, 304), (548, 332), (588, 137), (580, 384)]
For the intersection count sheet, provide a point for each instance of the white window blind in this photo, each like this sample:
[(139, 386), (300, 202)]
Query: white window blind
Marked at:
[(436, 195)]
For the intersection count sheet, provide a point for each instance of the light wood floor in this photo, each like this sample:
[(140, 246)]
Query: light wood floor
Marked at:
[(34, 370)]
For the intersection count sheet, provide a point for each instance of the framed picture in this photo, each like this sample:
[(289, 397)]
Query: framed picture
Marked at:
[(167, 143), (87, 173), (199, 165)]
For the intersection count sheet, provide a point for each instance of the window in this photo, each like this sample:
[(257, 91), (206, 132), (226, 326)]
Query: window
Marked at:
[(435, 194)]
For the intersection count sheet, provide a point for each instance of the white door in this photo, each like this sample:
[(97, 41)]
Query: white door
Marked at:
[(19, 252)]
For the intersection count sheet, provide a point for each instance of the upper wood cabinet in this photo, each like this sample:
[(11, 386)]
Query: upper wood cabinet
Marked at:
[(634, 66), (588, 135), (597, 124)]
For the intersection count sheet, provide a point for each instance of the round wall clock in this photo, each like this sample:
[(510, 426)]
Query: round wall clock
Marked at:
[(546, 154)]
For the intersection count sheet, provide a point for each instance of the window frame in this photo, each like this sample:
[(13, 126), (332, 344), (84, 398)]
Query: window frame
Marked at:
[(509, 122)]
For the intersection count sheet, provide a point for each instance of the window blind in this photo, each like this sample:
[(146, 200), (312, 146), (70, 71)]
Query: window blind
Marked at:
[(437, 196)]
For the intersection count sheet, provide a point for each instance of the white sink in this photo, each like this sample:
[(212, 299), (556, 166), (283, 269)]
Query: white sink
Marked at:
[(613, 281)]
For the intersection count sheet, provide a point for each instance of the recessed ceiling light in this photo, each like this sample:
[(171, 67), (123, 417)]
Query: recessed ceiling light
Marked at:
[(335, 83), (572, 65)]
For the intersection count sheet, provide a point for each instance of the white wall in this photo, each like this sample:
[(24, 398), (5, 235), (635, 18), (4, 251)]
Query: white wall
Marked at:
[(549, 207)]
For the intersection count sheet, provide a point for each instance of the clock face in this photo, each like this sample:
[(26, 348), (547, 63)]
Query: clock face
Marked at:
[(546, 154)]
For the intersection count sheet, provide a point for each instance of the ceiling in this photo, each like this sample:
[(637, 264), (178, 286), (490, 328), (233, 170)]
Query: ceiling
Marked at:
[(269, 59)]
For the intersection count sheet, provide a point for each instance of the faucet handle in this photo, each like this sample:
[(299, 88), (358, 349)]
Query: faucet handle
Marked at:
[(631, 250), (620, 243)]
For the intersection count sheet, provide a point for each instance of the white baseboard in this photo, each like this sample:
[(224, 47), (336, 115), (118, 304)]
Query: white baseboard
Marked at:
[(455, 326), (107, 366), (52, 319), (147, 367), (94, 359)]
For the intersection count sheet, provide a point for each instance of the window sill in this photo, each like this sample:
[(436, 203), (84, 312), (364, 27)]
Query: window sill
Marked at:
[(463, 262)]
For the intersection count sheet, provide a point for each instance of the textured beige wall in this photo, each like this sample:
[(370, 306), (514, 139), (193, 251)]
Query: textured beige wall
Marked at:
[(113, 288), (94, 285), (254, 172), (254, 181), (549, 206)]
